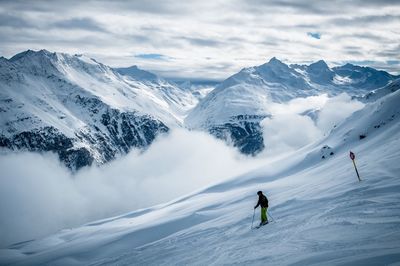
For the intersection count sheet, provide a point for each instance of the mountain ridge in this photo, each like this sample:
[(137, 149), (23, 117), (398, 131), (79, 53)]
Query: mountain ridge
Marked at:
[(251, 91), (96, 112), (89, 109)]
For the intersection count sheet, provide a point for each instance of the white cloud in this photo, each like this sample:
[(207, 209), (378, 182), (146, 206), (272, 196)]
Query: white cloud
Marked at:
[(287, 132), (299, 105), (335, 110), (39, 196), (290, 128), (246, 33)]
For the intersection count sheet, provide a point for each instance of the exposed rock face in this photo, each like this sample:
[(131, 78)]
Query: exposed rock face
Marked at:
[(243, 132), (123, 131)]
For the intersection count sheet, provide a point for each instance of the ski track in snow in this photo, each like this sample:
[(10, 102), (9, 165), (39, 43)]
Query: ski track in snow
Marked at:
[(323, 215)]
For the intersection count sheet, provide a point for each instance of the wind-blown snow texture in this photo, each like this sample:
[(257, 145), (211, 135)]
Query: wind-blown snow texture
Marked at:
[(234, 109), (323, 215), (81, 109)]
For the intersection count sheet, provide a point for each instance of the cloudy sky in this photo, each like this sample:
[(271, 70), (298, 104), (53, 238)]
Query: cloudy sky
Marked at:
[(207, 39)]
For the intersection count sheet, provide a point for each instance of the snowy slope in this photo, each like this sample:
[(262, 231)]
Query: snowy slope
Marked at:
[(379, 93), (250, 93), (322, 214), (179, 100), (199, 89), (81, 109)]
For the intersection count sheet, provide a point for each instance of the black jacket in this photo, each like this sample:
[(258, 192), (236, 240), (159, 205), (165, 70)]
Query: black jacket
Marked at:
[(262, 201)]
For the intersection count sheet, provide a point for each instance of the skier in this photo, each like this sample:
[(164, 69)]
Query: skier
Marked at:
[(263, 202)]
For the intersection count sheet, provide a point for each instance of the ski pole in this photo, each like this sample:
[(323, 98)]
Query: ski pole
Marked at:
[(253, 218), (271, 216)]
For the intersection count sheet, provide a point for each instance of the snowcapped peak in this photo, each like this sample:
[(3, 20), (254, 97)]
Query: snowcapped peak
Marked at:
[(132, 68), (321, 64), (272, 65), (320, 73), (45, 52), (318, 67), (52, 63), (137, 73), (32, 54), (348, 65), (44, 55), (275, 61)]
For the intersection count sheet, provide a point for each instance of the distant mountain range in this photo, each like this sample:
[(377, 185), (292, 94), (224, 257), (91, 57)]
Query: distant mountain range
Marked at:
[(87, 112), (234, 109)]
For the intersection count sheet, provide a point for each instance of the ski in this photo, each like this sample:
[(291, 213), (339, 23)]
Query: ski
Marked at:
[(258, 226)]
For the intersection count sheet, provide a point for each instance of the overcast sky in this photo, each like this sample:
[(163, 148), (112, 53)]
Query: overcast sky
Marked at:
[(207, 39)]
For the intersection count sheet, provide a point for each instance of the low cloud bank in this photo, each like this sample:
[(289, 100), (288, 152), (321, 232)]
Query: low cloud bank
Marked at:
[(304, 120), (288, 132), (39, 196), (336, 110)]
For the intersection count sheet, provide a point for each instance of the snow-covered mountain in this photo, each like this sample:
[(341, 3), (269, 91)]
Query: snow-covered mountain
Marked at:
[(234, 109), (81, 109), (321, 213), (179, 99), (199, 89), (379, 93), (88, 112)]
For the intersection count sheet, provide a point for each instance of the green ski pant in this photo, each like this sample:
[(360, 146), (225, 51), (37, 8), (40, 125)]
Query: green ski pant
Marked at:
[(264, 215)]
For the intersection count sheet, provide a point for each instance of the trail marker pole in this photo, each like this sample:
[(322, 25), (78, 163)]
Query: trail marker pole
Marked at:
[(352, 157)]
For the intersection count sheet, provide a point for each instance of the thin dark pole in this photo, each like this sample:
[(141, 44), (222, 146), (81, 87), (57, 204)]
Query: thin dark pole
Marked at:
[(355, 167)]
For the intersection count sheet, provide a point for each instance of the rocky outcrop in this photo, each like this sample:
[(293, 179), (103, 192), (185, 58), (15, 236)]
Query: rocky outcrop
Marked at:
[(122, 131), (243, 132)]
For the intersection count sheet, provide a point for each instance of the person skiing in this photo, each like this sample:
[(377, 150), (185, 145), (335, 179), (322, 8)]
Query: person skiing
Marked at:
[(263, 202)]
